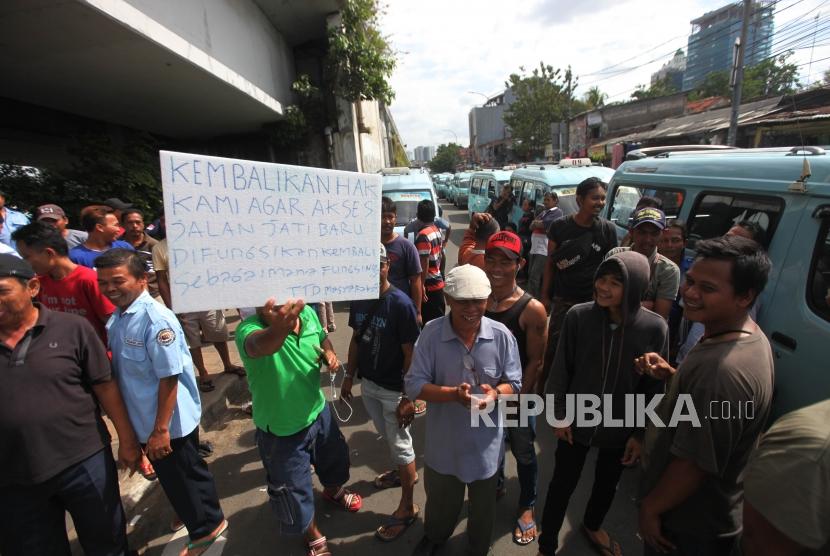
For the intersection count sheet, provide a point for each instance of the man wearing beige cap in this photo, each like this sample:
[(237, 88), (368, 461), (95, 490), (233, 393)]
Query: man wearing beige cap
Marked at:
[(479, 360), (55, 216)]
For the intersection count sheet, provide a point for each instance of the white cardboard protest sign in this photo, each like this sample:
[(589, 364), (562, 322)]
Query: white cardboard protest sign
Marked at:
[(239, 232)]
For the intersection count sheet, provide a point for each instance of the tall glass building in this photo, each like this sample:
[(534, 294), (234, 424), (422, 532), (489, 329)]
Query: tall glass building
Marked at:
[(712, 42)]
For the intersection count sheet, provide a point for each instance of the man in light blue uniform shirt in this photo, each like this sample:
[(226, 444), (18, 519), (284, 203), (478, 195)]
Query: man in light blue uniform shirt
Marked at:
[(460, 359), (154, 370), (11, 220)]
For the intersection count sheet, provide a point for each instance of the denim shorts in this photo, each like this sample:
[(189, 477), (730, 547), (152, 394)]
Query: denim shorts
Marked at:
[(288, 460), (380, 404)]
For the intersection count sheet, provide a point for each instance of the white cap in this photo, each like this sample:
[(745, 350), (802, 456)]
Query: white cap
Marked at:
[(383, 253), (467, 282)]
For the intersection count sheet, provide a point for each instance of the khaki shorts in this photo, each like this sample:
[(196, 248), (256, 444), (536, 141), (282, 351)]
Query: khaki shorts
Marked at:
[(204, 327)]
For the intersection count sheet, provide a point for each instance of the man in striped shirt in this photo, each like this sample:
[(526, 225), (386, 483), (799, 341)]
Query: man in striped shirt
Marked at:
[(429, 244)]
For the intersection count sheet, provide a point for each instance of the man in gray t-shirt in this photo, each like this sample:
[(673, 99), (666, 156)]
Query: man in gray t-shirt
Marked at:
[(647, 225), (54, 215), (693, 468)]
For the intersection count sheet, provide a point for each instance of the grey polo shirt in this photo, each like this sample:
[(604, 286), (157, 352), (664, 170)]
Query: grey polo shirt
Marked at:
[(454, 446)]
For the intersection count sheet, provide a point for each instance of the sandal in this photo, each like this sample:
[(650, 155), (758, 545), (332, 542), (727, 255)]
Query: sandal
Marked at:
[(390, 479), (206, 386), (611, 549), (393, 521), (318, 547), (196, 548), (234, 370), (521, 540), (349, 501), (420, 407)]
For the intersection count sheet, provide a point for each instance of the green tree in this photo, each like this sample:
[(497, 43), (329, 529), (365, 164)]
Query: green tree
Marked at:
[(659, 88), (541, 98), (360, 60), (447, 158), (594, 98), (771, 77), (716, 84), (99, 169)]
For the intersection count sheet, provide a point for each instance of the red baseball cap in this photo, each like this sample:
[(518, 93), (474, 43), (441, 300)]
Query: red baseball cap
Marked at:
[(508, 242)]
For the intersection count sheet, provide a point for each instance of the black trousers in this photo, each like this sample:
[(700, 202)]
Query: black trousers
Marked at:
[(189, 486), (433, 307), (570, 459)]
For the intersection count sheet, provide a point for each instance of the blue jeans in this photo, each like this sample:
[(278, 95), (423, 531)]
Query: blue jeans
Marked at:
[(32, 517), (521, 445), (288, 460)]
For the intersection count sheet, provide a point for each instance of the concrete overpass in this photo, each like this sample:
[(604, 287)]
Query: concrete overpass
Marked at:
[(183, 69)]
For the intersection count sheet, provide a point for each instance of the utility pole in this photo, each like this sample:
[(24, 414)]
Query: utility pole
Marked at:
[(566, 136), (738, 75)]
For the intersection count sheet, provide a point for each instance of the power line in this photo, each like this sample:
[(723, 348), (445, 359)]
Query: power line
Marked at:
[(710, 38), (728, 30)]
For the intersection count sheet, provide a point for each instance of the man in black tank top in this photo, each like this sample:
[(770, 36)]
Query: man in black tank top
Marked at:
[(525, 317)]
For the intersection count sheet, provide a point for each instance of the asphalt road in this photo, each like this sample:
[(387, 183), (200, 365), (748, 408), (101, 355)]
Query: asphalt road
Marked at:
[(254, 530)]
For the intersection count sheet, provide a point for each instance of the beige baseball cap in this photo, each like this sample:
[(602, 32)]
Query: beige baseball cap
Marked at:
[(467, 282)]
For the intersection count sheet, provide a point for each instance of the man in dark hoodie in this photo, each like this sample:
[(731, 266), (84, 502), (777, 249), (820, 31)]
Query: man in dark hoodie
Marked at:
[(626, 331)]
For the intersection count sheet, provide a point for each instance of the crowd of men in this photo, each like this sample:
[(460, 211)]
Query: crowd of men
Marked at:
[(86, 329)]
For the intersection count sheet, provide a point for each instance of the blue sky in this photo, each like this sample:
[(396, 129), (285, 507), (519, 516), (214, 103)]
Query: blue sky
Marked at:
[(448, 48)]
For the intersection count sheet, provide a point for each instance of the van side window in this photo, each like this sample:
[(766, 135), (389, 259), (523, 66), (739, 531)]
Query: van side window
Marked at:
[(527, 192), (818, 287), (491, 189), (626, 197), (474, 187), (715, 213)]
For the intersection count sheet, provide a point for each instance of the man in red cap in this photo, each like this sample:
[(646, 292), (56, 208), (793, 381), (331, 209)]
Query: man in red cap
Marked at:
[(55, 216), (525, 317)]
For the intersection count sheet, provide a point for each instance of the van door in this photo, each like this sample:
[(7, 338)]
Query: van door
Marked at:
[(528, 192), (478, 196), (797, 316)]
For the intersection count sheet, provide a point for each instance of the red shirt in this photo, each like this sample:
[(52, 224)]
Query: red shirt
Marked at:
[(78, 293)]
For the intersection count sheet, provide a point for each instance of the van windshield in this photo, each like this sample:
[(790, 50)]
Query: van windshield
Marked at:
[(406, 203)]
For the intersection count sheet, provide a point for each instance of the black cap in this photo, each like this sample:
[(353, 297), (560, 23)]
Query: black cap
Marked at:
[(11, 265), (117, 204)]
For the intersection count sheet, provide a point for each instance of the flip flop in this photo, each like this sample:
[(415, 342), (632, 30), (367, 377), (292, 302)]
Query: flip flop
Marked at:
[(611, 549), (349, 501), (393, 521), (234, 370), (524, 527), (390, 479), (420, 407), (206, 386), (200, 547)]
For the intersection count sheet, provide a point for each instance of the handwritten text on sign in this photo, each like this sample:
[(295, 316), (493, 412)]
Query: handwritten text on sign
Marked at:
[(239, 232)]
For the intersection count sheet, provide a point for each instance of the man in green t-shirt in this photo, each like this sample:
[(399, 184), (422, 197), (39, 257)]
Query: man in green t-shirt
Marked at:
[(279, 347)]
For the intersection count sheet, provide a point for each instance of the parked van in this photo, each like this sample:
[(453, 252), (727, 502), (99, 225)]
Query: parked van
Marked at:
[(407, 188), (461, 189), (483, 187), (787, 192), (533, 181)]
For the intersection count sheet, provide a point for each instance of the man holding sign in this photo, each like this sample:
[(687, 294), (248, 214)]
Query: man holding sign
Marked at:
[(294, 429)]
